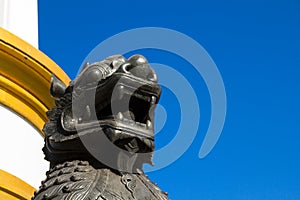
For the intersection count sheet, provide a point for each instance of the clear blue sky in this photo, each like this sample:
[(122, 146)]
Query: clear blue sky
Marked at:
[(255, 45)]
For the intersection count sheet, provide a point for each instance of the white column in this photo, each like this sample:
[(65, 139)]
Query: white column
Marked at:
[(20, 144), (21, 18), (21, 149)]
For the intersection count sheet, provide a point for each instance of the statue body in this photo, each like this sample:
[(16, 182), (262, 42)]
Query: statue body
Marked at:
[(78, 180), (101, 133)]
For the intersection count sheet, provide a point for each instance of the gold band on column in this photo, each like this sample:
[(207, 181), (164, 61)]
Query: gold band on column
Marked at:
[(25, 74), (13, 188)]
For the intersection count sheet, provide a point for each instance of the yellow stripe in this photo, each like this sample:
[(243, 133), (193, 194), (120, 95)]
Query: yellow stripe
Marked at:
[(12, 188), (25, 74)]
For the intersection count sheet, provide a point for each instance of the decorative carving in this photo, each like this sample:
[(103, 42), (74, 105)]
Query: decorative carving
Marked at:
[(114, 99)]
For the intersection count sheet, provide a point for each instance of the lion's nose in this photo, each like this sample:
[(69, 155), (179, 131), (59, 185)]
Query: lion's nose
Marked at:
[(138, 66)]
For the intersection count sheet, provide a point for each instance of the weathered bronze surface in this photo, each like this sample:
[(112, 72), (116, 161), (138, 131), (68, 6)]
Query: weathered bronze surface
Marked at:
[(114, 100)]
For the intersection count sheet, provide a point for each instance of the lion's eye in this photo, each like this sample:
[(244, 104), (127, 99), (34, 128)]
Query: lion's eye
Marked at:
[(90, 77), (68, 122)]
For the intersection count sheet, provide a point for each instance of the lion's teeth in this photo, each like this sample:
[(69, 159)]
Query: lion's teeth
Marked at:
[(153, 99), (142, 124), (125, 119), (120, 116), (149, 124)]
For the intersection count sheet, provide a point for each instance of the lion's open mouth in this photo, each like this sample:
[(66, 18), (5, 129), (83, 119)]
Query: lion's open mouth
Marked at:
[(125, 108), (130, 112)]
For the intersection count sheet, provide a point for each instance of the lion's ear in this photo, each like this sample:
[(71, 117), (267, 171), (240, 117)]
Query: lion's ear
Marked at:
[(57, 87)]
